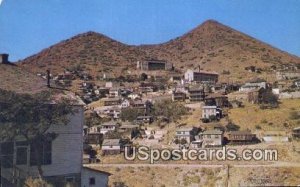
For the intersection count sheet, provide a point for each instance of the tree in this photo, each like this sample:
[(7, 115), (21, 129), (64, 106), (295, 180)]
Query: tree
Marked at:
[(144, 76), (172, 110), (30, 116), (129, 114), (269, 99), (232, 127)]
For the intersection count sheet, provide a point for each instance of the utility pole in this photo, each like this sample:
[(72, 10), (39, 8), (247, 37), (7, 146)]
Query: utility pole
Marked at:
[(48, 78)]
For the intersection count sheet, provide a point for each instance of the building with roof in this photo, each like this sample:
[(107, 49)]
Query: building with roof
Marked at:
[(94, 177), (186, 134), (201, 76), (241, 137), (212, 138), (111, 146), (151, 65), (216, 99), (211, 111)]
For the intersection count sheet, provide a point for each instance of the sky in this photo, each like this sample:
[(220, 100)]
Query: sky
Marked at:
[(28, 26)]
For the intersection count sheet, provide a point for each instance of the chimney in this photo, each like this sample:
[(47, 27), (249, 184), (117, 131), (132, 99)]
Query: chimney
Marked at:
[(48, 78), (199, 68), (4, 59)]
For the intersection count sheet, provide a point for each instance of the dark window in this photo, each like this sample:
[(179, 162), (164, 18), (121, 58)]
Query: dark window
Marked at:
[(21, 156), (44, 153), (7, 154), (92, 181), (70, 179)]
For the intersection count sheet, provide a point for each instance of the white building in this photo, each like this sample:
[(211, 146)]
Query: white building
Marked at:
[(212, 138), (94, 178), (111, 146), (61, 157), (250, 86), (201, 76), (125, 103), (185, 133), (208, 111), (108, 126)]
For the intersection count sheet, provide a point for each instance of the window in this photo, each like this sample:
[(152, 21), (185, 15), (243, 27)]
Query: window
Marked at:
[(21, 156), (7, 154), (70, 179), (21, 148), (92, 181), (45, 153), (216, 136)]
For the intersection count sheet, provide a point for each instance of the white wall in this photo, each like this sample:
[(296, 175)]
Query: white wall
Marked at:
[(67, 148), (101, 179)]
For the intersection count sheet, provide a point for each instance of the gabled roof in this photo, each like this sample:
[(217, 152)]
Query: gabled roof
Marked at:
[(207, 132), (95, 170), (108, 142), (240, 133)]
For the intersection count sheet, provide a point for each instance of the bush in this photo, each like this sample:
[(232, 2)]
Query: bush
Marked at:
[(232, 127), (258, 127), (169, 109), (294, 115), (129, 114)]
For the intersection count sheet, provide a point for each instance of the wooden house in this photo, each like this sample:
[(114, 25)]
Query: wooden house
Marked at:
[(216, 99), (178, 96), (112, 101), (296, 132), (241, 137)]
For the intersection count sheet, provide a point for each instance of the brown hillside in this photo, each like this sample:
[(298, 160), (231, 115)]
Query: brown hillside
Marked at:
[(14, 78), (96, 52), (211, 45)]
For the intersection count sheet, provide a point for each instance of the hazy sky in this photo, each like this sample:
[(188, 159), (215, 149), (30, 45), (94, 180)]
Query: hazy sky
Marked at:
[(28, 26)]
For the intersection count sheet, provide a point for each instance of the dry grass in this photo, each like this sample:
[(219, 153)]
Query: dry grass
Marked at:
[(265, 176), (165, 176), (251, 116)]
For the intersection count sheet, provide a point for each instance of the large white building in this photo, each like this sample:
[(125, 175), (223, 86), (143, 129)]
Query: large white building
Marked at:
[(201, 76)]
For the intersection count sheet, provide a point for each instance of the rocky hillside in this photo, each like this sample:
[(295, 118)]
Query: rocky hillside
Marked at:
[(212, 46)]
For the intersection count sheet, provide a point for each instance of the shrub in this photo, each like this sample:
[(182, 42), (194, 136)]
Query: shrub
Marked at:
[(258, 127), (232, 127)]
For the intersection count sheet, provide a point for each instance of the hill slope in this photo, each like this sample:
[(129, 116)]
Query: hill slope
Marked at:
[(211, 45)]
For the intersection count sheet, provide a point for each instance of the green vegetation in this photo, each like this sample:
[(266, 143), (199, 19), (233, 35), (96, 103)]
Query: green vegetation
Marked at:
[(172, 110)]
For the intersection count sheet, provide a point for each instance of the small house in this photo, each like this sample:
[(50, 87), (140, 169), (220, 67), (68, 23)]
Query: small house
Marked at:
[(217, 99), (125, 103), (212, 138), (145, 119), (111, 101), (211, 111), (296, 132), (108, 126), (241, 137), (114, 92), (94, 129), (186, 134), (111, 146), (94, 177), (253, 85), (178, 96)]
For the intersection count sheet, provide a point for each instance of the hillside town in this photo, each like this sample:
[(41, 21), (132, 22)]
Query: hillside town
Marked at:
[(162, 107)]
